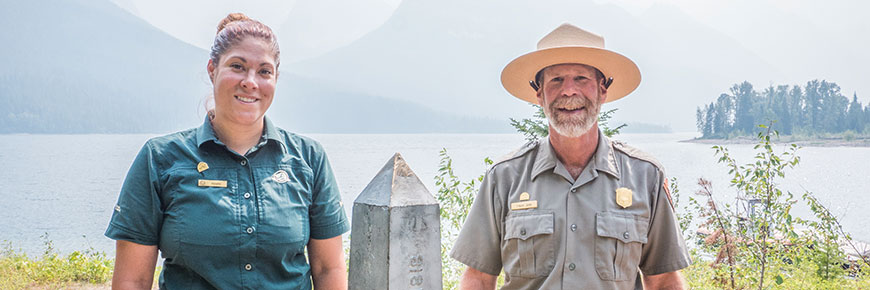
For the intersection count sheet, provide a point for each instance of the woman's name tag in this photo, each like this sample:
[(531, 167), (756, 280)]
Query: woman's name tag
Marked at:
[(212, 183)]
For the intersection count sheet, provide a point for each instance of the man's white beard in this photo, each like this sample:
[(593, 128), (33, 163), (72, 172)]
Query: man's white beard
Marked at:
[(572, 130), (569, 126)]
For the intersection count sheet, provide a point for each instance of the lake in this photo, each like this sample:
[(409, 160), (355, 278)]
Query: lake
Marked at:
[(67, 185)]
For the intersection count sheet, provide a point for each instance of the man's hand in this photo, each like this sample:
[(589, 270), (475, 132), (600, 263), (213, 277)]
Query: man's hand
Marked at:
[(473, 279), (667, 281)]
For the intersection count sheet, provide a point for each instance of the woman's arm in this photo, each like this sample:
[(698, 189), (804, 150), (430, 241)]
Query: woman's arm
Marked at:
[(328, 268), (134, 266)]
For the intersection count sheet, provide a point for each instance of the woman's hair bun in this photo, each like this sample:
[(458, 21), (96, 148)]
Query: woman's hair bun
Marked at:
[(232, 17)]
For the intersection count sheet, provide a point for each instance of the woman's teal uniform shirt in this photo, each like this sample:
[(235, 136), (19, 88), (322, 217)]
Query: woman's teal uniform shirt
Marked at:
[(241, 223)]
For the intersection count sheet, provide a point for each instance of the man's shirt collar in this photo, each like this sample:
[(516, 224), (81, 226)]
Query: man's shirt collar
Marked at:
[(603, 159)]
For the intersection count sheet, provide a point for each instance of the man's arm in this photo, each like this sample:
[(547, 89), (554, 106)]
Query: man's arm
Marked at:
[(667, 281), (478, 245), (473, 279)]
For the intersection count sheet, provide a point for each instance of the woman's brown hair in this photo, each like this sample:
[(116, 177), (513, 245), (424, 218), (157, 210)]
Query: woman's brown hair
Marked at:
[(237, 26)]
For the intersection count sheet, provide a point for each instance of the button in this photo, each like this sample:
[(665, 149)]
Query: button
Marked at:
[(574, 190), (248, 267), (625, 235), (572, 267), (523, 232), (574, 227), (247, 195), (243, 162), (250, 230)]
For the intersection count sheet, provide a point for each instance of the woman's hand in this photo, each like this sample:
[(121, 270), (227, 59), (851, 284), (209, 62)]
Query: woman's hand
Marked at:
[(328, 268), (134, 265)]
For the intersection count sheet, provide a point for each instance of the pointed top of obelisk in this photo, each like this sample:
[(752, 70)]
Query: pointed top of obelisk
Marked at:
[(396, 185)]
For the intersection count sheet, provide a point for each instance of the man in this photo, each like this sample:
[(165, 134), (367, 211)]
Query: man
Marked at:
[(574, 210)]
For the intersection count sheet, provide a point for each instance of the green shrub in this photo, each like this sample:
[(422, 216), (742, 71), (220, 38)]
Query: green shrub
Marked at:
[(849, 135), (764, 250), (18, 271)]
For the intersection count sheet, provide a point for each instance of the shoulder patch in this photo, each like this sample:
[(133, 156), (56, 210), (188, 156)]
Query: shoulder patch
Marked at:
[(526, 148), (668, 193)]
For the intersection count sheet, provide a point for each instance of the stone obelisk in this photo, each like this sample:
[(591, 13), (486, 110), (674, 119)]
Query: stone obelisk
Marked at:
[(395, 238)]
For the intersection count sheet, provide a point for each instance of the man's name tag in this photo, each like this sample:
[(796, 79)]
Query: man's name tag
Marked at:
[(524, 205), (212, 183)]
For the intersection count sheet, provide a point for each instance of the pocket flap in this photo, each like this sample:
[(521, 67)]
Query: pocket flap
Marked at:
[(624, 227), (528, 225)]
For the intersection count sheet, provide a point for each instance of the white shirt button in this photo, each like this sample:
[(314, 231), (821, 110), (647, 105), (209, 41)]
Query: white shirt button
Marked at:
[(248, 267), (250, 230), (247, 195), (243, 162)]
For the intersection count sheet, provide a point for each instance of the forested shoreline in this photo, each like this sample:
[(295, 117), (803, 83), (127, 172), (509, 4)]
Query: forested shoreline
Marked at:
[(816, 110)]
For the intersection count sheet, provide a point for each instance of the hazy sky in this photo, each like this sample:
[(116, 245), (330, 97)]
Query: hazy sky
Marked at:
[(194, 21), (333, 23), (802, 39), (796, 36)]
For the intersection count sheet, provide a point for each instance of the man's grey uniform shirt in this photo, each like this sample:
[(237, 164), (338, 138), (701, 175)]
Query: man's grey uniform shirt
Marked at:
[(549, 231)]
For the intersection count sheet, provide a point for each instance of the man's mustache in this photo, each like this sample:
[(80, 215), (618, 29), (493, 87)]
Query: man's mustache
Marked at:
[(571, 102)]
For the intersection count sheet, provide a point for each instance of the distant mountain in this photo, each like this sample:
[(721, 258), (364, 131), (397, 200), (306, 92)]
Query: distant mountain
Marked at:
[(83, 66), (449, 54), (316, 106)]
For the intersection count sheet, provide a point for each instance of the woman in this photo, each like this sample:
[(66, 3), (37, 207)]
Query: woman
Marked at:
[(234, 203)]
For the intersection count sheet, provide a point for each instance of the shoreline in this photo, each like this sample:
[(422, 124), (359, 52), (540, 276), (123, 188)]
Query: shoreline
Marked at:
[(815, 142)]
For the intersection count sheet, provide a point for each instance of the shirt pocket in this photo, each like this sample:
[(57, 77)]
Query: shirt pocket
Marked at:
[(528, 251), (285, 197), (618, 244), (204, 209)]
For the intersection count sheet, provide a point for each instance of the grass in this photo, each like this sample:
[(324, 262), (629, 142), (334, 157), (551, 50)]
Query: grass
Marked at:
[(91, 269), (87, 269)]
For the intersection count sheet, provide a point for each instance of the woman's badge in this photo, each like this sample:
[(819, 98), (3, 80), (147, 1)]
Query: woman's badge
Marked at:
[(281, 176), (202, 166), (623, 197)]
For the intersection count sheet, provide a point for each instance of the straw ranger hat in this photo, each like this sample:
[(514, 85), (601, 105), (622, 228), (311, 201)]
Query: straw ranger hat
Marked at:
[(570, 44)]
